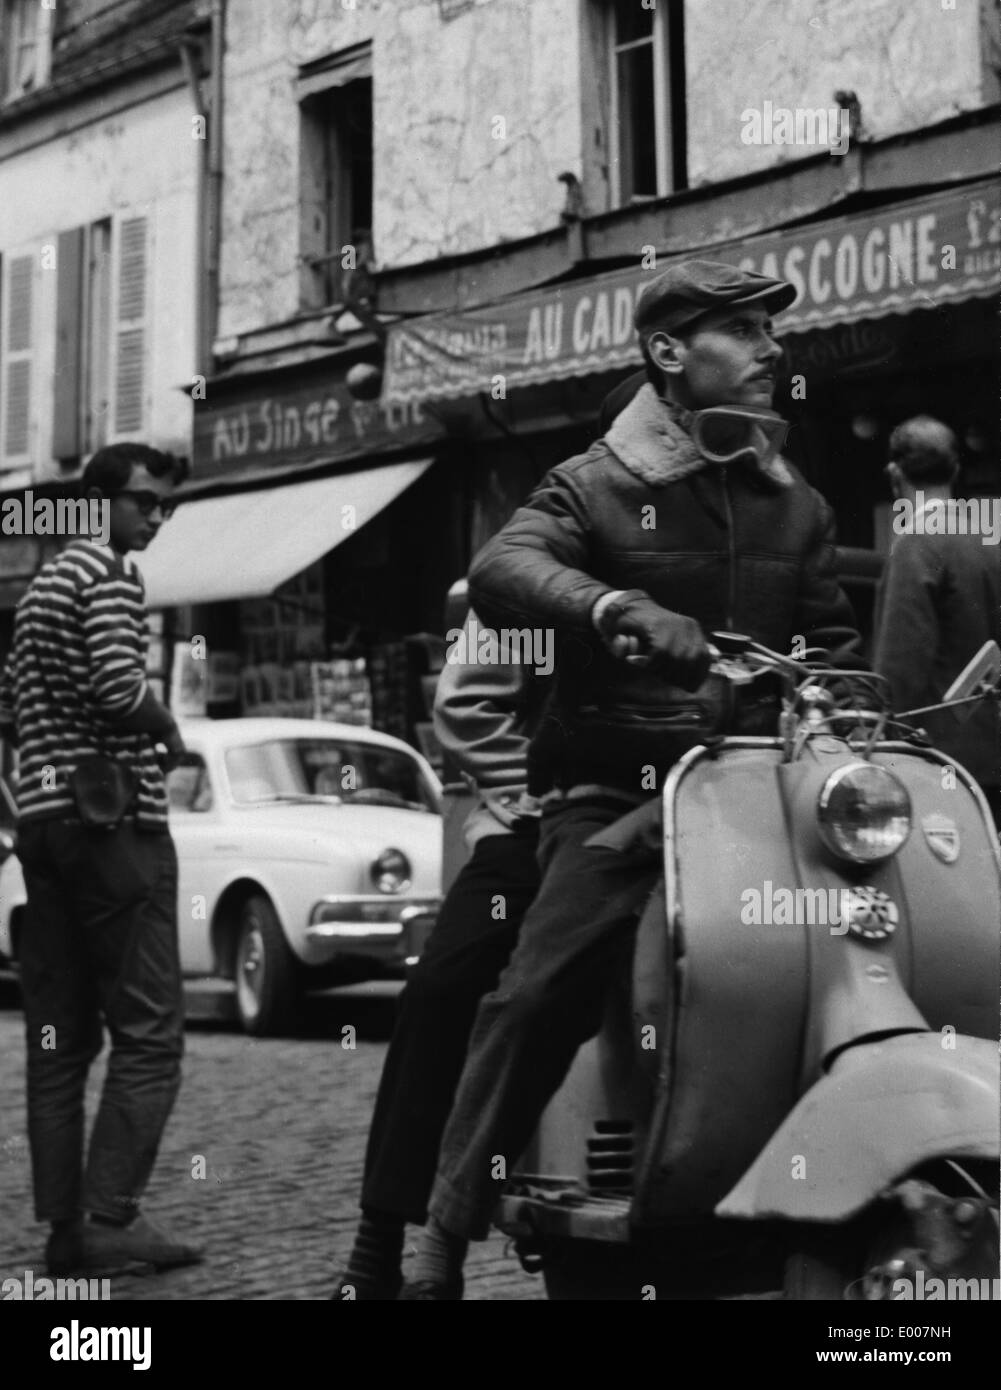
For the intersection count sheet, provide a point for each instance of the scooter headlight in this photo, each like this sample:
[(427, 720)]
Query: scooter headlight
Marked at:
[(864, 813)]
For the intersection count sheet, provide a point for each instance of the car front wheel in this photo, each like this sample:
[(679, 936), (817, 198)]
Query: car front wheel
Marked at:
[(265, 973)]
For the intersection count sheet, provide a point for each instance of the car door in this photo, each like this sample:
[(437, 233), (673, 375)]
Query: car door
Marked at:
[(195, 821)]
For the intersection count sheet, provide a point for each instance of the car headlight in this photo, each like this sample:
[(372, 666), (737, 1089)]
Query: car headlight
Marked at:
[(864, 813), (391, 872)]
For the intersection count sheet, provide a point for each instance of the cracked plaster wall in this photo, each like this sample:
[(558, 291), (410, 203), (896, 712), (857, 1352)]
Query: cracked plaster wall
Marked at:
[(910, 62), (446, 184), (443, 183)]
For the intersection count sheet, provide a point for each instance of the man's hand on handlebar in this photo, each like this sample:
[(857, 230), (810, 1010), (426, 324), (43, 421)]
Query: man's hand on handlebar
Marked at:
[(636, 629)]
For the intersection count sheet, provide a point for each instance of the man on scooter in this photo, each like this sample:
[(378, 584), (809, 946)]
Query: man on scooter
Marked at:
[(683, 519)]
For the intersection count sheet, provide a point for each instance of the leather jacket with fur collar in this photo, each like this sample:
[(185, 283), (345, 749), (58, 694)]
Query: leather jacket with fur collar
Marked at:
[(738, 548)]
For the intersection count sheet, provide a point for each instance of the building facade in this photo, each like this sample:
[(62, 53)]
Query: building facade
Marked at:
[(394, 247), (101, 154)]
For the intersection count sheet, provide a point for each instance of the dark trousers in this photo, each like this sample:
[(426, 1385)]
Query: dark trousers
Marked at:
[(99, 942), (548, 1001), (468, 948)]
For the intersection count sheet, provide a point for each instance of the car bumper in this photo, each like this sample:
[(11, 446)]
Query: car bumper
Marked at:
[(390, 930)]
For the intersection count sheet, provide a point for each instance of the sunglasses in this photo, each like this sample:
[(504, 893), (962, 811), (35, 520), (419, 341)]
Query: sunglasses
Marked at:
[(147, 502)]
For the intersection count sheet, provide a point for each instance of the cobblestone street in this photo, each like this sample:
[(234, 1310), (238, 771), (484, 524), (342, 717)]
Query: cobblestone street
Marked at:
[(281, 1125)]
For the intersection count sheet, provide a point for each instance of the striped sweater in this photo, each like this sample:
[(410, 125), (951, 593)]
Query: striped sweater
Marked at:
[(77, 665)]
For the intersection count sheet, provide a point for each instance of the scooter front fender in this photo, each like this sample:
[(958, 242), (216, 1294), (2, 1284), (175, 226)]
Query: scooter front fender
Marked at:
[(881, 1110)]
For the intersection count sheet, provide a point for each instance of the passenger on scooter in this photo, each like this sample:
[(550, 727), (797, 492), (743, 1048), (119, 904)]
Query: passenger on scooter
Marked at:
[(483, 717), (684, 519)]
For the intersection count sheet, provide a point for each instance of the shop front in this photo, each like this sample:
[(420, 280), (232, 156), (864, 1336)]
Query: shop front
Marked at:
[(894, 315), (308, 556)]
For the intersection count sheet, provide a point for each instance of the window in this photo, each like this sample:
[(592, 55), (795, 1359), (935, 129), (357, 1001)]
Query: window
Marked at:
[(335, 98), (25, 40), (18, 286), (97, 366), (362, 774), (130, 326), (648, 138), (83, 341), (99, 390), (101, 307)]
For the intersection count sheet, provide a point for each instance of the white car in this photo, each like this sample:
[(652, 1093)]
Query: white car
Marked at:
[(309, 854)]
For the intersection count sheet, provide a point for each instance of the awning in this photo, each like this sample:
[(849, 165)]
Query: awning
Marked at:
[(246, 544), (935, 250)]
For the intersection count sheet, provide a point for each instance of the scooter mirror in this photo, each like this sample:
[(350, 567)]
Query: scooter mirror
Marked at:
[(982, 669), (731, 643)]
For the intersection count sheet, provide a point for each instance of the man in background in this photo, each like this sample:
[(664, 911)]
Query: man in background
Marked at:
[(939, 601), (100, 937)]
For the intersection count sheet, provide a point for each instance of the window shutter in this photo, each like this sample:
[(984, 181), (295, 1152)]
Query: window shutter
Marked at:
[(67, 440), (17, 343), (130, 332), (23, 20)]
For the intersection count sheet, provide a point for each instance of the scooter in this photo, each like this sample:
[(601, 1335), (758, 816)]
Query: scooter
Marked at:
[(795, 1090)]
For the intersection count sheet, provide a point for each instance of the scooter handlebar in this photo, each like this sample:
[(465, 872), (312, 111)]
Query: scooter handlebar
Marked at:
[(727, 647)]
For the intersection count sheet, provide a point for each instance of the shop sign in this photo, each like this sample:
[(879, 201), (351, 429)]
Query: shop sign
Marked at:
[(309, 423), (853, 348), (913, 255)]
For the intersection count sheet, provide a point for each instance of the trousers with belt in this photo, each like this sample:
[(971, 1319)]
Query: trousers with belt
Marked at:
[(99, 949)]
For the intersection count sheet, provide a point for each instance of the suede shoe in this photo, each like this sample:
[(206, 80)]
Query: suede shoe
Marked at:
[(139, 1247), (65, 1254), (425, 1291), (386, 1289)]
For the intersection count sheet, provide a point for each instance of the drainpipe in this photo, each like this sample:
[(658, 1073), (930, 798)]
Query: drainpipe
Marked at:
[(190, 60), (209, 197), (214, 211)]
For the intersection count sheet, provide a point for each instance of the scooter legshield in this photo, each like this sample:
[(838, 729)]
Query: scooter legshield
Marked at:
[(881, 1110)]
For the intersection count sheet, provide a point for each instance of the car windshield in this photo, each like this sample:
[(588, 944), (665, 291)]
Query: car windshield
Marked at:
[(294, 769)]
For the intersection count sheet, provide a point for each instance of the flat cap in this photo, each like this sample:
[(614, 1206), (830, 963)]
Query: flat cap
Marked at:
[(686, 291)]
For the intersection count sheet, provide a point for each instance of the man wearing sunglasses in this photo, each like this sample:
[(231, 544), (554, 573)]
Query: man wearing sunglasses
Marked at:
[(99, 947), (682, 520)]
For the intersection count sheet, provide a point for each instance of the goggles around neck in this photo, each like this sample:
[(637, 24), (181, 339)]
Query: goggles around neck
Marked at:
[(728, 433)]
